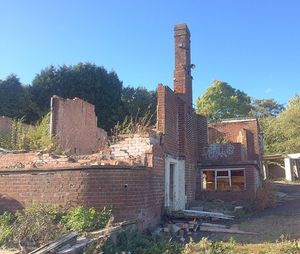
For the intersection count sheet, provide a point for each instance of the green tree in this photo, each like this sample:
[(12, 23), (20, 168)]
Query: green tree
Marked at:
[(223, 101), (282, 133), (16, 100), (86, 81), (265, 108), (138, 102)]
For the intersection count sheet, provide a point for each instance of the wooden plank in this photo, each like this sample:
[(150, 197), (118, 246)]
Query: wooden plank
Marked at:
[(194, 213), (213, 225), (55, 245)]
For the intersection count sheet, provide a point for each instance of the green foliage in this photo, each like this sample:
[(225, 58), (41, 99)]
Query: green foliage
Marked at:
[(6, 220), (222, 101), (37, 223), (26, 137), (92, 83), (39, 136), (16, 100), (139, 102), (16, 138), (82, 219), (86, 81), (265, 108), (282, 133), (139, 243)]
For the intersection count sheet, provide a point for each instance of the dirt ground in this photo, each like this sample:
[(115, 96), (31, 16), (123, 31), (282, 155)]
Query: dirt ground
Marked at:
[(274, 224)]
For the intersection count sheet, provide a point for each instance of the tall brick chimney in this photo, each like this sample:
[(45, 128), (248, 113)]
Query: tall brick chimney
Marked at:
[(182, 72)]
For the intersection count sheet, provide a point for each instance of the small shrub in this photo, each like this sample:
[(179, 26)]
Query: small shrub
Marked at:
[(6, 220), (82, 219), (36, 224), (265, 197)]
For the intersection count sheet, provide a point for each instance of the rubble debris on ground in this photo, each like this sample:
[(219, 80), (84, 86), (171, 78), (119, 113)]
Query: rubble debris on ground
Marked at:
[(183, 224)]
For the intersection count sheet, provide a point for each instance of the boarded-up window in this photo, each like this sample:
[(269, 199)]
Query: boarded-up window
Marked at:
[(223, 179)]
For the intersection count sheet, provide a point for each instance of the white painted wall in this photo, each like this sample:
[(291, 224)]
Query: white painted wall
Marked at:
[(288, 169), (179, 198)]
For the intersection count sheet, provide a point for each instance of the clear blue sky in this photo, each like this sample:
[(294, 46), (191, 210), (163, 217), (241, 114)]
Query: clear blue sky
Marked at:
[(254, 45)]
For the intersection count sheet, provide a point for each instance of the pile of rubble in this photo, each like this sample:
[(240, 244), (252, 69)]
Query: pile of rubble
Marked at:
[(73, 243), (28, 160), (182, 225)]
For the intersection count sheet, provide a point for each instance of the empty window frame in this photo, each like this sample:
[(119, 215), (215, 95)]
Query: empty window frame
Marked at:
[(223, 179)]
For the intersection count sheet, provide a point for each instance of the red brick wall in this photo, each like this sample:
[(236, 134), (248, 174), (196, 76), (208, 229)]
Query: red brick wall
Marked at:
[(182, 71), (235, 131), (249, 194), (167, 119), (134, 192), (74, 123), (5, 123), (181, 128)]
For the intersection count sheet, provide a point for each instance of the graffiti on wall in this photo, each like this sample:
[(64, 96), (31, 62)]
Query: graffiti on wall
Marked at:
[(218, 151)]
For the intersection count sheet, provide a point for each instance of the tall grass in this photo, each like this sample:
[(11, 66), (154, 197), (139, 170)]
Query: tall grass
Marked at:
[(132, 125), (24, 137)]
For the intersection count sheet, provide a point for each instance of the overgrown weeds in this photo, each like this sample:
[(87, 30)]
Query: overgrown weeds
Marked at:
[(132, 125), (39, 224), (36, 225), (24, 137), (6, 220)]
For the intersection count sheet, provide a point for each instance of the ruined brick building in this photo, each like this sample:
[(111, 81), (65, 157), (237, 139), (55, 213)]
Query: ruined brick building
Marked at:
[(181, 161)]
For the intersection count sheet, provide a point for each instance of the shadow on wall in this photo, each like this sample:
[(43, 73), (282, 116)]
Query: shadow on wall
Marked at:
[(9, 204)]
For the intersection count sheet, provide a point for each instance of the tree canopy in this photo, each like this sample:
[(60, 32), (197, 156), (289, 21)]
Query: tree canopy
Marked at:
[(282, 133), (265, 107), (223, 101), (16, 100), (87, 81), (139, 102)]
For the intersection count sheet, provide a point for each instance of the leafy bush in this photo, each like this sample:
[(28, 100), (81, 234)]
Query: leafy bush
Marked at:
[(36, 224), (82, 219), (6, 220), (38, 137), (138, 243)]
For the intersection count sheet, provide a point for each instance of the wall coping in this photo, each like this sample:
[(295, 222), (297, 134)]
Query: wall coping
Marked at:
[(78, 168)]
